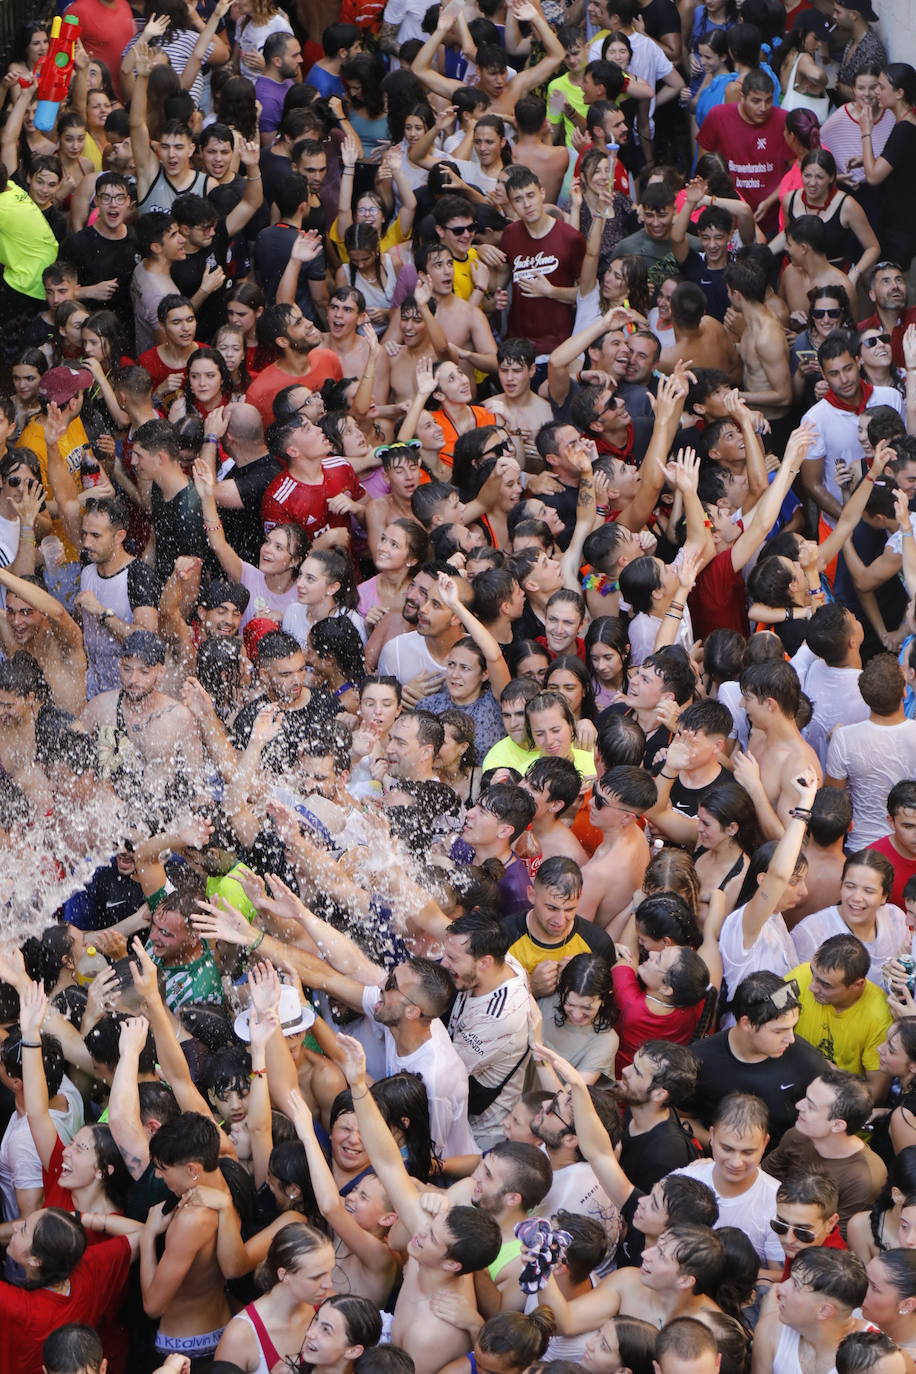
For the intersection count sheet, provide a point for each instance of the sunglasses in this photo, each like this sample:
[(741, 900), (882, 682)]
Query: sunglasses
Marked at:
[(391, 985), (782, 1228), (875, 340), (887, 266), (833, 314), (460, 229), (498, 450)]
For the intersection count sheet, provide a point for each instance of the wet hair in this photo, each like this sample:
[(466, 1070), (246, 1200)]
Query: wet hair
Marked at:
[(620, 740), (587, 975), (774, 679), (362, 1319), (475, 1238), (831, 810), (809, 1190), (736, 1287), (687, 978), (523, 1337), (52, 1058), (189, 1139), (559, 875), (528, 1171), (753, 998), (860, 1351), (58, 1244), (837, 1274), (870, 858), (72, 1349), (337, 638), (559, 778), (403, 1097), (287, 1249), (844, 952), (744, 1113), (689, 1200), (380, 1359), (728, 803), (674, 1068), (666, 916), (571, 663), (103, 1043), (699, 1253), (851, 1100), (672, 871), (686, 1338), (723, 652)]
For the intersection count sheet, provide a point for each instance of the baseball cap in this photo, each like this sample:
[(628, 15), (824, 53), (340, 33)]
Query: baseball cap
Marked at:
[(861, 7), (220, 590), (60, 384), (145, 645)]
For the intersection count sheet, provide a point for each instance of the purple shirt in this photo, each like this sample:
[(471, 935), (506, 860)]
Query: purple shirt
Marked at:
[(271, 95)]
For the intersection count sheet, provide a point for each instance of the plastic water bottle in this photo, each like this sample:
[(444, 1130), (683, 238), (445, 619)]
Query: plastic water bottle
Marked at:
[(89, 965)]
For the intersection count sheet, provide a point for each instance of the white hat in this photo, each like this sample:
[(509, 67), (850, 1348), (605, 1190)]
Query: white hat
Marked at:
[(295, 1017)]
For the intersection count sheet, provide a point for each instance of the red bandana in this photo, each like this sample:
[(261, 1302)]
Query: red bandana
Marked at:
[(839, 404)]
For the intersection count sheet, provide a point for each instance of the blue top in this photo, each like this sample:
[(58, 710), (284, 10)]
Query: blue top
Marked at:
[(485, 713)]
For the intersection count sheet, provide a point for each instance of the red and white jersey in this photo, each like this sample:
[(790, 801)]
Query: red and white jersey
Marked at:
[(288, 501)]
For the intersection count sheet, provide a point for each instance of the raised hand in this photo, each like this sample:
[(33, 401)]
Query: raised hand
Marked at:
[(306, 246), (220, 920), (133, 1035), (33, 1003), (351, 1057)]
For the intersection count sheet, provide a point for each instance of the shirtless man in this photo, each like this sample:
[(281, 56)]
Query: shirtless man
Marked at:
[(185, 1289), (554, 784), (777, 757), (21, 758), (764, 355), (463, 324), (401, 466), (508, 1184), (347, 323), (534, 147), (808, 266), (447, 1246), (40, 624), (523, 411), (503, 91), (139, 728), (699, 339), (422, 337), (618, 866), (685, 1264)]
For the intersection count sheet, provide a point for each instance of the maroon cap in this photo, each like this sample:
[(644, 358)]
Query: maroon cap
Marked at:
[(61, 384)]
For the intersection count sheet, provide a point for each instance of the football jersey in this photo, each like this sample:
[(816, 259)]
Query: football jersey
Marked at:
[(289, 501)]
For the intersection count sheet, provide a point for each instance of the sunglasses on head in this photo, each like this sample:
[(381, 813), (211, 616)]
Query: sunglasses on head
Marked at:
[(833, 313), (876, 339), (782, 1228)]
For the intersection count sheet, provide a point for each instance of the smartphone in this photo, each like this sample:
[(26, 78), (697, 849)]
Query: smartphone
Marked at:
[(807, 355)]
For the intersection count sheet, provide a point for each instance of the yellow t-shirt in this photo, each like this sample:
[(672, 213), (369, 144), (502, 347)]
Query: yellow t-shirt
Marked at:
[(850, 1038), (73, 446), (27, 245), (507, 754), (393, 237)]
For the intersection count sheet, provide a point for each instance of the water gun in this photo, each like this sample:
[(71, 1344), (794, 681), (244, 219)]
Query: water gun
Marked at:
[(56, 71)]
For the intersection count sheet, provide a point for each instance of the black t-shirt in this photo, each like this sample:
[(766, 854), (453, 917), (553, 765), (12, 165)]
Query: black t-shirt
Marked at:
[(188, 275), (648, 1157), (779, 1082), (660, 17), (710, 280), (143, 586), (631, 1245), (272, 250), (297, 726), (688, 800), (179, 529), (564, 503), (244, 528), (99, 259)]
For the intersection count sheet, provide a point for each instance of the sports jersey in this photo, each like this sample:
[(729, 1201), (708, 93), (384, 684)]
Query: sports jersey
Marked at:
[(490, 1033), (583, 938), (289, 501)]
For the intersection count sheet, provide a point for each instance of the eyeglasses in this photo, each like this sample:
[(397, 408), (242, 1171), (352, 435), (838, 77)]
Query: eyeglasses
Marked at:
[(781, 999), (875, 340), (391, 985), (459, 230), (613, 404), (553, 1110), (833, 313), (601, 802), (112, 200), (782, 1228)]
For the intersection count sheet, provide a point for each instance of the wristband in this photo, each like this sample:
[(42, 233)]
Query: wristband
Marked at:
[(669, 777), (211, 439), (256, 1073), (258, 942), (30, 1044)]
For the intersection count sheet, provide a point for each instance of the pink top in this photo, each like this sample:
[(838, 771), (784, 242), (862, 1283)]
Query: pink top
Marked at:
[(368, 596)]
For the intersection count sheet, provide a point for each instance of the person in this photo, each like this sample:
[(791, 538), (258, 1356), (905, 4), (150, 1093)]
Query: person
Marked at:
[(741, 133), (516, 1339), (661, 1077), (554, 785), (759, 1054), (896, 847), (858, 756), (40, 625), (832, 985), (888, 292), (767, 381), (771, 692), (863, 910), (619, 800), (448, 1245), (806, 1215), (27, 247), (578, 1019), (815, 1304), (118, 593), (746, 1196), (830, 1115), (540, 306), (298, 1271), (551, 931), (662, 998)]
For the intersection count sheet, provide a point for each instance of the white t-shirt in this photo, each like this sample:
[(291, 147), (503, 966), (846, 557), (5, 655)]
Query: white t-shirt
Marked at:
[(750, 1212), (644, 632), (835, 695), (891, 939), (408, 15), (837, 435), (490, 1035), (407, 655), (252, 38), (729, 693), (872, 758), (772, 951), (575, 1189), (296, 622), (439, 1065)]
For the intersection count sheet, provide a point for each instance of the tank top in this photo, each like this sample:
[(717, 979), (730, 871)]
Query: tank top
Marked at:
[(270, 1355), (162, 194), (836, 247), (508, 1251), (785, 1360), (798, 100)]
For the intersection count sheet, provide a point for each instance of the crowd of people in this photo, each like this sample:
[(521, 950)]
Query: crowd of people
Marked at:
[(458, 690)]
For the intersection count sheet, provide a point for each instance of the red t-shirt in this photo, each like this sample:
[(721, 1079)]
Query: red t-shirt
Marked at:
[(325, 366), (105, 31), (288, 501), (904, 869), (637, 1024), (907, 318), (28, 1316), (558, 257), (833, 1242), (158, 369), (719, 598), (757, 156)]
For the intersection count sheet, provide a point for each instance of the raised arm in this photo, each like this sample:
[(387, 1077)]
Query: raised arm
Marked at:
[(669, 404), (488, 645), (139, 59), (422, 65), (124, 1099), (554, 52), (381, 1146), (204, 481), (168, 1050), (33, 1004), (772, 888)]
